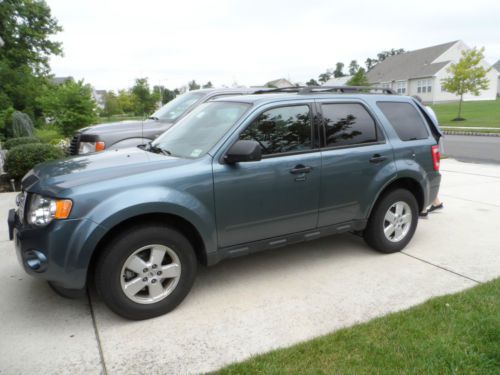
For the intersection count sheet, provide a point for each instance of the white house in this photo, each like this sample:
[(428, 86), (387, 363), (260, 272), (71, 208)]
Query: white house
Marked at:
[(496, 66), (339, 81), (420, 73)]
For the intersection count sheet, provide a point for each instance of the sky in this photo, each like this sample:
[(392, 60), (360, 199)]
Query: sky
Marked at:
[(109, 43)]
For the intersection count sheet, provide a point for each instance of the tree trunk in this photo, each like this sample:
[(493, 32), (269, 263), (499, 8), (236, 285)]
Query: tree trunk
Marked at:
[(460, 105)]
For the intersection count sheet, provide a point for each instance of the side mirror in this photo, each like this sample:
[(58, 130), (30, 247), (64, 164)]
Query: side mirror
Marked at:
[(243, 151)]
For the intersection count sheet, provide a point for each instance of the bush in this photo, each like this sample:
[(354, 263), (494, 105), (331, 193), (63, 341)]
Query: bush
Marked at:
[(48, 134), (19, 125), (14, 142), (22, 158)]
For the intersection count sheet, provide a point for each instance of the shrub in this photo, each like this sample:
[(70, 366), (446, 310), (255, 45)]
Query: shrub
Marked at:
[(19, 125), (14, 142), (22, 158), (48, 134)]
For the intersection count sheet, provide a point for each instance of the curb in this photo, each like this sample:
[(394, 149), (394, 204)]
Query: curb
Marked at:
[(458, 132)]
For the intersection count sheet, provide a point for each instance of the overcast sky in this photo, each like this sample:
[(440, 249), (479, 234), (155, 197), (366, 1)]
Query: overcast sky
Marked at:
[(109, 43)]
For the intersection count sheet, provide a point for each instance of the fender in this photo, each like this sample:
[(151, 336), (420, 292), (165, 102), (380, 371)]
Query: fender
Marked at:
[(135, 202)]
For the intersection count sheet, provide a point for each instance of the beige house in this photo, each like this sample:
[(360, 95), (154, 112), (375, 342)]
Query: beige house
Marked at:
[(420, 73), (496, 66)]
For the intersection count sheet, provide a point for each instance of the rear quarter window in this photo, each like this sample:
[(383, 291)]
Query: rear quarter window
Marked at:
[(405, 119)]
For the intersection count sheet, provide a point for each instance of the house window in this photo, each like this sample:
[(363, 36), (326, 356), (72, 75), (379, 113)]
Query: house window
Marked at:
[(401, 87), (424, 85), (429, 85)]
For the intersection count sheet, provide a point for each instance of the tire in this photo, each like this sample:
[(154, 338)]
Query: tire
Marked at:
[(134, 259), (402, 203)]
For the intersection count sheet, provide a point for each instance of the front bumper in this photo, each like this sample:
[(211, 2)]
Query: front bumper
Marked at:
[(59, 252)]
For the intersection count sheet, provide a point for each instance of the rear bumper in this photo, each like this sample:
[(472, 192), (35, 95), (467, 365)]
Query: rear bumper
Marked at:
[(59, 252), (434, 184)]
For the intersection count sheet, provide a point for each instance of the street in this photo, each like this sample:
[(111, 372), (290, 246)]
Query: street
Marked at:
[(473, 148)]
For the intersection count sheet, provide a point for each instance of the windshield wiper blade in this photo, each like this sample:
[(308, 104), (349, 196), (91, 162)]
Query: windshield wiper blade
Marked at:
[(158, 150), (153, 118)]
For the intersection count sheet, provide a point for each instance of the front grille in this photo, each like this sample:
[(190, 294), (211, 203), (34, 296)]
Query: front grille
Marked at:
[(74, 144)]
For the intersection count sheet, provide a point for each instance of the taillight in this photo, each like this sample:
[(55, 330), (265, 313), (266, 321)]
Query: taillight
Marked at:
[(436, 157)]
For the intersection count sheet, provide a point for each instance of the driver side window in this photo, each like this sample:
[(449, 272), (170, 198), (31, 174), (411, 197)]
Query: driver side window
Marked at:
[(280, 130)]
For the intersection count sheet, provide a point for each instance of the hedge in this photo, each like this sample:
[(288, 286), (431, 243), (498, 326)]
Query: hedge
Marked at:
[(22, 158), (14, 142)]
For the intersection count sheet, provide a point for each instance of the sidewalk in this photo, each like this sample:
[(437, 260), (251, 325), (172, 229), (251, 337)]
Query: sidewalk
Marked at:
[(254, 304)]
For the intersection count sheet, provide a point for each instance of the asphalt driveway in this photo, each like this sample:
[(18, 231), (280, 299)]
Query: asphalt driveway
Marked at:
[(254, 304)]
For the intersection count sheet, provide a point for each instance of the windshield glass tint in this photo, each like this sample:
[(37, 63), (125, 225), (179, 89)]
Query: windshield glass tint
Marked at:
[(176, 107), (194, 135)]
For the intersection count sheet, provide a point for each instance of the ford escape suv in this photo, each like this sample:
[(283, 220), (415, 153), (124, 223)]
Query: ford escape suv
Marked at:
[(236, 176), (124, 134)]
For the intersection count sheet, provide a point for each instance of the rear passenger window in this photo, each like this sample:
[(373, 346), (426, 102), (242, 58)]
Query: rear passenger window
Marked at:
[(347, 124), (405, 120), (279, 130)]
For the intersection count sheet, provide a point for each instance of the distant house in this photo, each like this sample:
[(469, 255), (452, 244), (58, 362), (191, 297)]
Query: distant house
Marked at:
[(98, 96), (420, 73), (60, 80), (279, 83), (339, 81), (496, 66)]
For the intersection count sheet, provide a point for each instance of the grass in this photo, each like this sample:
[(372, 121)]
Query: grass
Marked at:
[(454, 334), (477, 114)]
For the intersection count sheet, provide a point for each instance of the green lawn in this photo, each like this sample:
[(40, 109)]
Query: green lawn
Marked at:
[(482, 113), (454, 334)]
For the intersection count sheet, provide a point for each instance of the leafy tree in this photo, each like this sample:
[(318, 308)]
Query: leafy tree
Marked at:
[(168, 95), (312, 82), (325, 76), (143, 98), (359, 79), (125, 101), (70, 105), (208, 85), (467, 76), (353, 67), (338, 72), (111, 105), (370, 63), (193, 85)]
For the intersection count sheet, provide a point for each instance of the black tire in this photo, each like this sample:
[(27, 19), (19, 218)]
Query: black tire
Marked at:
[(374, 232), (108, 273)]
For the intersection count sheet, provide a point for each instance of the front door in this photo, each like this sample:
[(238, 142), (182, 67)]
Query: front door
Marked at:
[(277, 195)]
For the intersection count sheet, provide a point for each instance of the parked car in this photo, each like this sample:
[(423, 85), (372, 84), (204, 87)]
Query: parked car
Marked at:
[(236, 176), (124, 134)]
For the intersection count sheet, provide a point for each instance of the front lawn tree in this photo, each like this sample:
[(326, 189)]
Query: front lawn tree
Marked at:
[(359, 79), (466, 76)]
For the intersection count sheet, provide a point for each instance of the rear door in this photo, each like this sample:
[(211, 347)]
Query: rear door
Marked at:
[(356, 161)]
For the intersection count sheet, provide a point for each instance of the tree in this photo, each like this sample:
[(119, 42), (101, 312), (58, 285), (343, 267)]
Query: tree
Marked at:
[(338, 72), (325, 76), (125, 101), (359, 79), (370, 63), (208, 85), (111, 105), (381, 56), (27, 28), (353, 67), (70, 105), (467, 76), (312, 82), (193, 85), (143, 98)]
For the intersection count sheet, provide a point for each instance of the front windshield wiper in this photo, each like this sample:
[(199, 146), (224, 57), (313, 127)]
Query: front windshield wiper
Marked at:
[(153, 118), (157, 150)]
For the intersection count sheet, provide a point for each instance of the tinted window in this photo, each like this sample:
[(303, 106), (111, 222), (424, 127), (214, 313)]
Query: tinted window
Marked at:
[(405, 120), (347, 124), (281, 130)]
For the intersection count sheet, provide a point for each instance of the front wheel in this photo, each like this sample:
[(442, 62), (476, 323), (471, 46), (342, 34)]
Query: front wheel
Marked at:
[(393, 221), (146, 272)]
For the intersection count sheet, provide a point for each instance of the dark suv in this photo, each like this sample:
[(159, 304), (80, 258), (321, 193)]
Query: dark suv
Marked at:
[(132, 133), (236, 176)]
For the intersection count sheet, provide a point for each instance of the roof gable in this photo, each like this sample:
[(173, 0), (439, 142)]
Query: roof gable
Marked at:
[(413, 64)]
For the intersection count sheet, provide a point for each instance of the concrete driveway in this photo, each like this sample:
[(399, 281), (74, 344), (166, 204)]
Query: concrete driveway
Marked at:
[(254, 304)]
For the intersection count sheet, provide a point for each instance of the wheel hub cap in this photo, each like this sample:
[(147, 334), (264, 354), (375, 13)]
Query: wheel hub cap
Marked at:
[(397, 221)]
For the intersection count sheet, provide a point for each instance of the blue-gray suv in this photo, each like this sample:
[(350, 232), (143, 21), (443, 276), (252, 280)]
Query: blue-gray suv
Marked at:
[(236, 176)]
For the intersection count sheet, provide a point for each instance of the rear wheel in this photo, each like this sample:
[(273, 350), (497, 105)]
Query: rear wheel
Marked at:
[(393, 221), (146, 272)]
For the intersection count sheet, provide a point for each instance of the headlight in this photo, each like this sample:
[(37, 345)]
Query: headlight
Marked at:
[(43, 210), (88, 147)]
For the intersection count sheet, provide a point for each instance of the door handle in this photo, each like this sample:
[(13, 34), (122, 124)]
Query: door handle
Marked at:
[(300, 168), (377, 158)]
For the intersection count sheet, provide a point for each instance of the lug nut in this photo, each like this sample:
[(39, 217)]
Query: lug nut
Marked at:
[(145, 270), (145, 279), (153, 281), (158, 273), (154, 266)]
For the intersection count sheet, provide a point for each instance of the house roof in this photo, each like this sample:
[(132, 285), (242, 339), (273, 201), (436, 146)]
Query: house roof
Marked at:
[(413, 64), (279, 83), (339, 81), (497, 66)]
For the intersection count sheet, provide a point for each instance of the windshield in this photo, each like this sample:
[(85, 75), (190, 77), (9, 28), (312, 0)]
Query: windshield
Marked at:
[(176, 107), (194, 135)]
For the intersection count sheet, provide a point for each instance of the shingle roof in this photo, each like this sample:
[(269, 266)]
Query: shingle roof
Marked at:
[(413, 64), (497, 66)]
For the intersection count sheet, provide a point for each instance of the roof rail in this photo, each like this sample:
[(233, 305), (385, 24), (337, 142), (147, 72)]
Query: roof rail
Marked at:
[(327, 89)]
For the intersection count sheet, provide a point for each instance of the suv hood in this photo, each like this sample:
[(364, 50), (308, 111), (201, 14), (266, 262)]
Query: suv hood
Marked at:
[(56, 176)]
